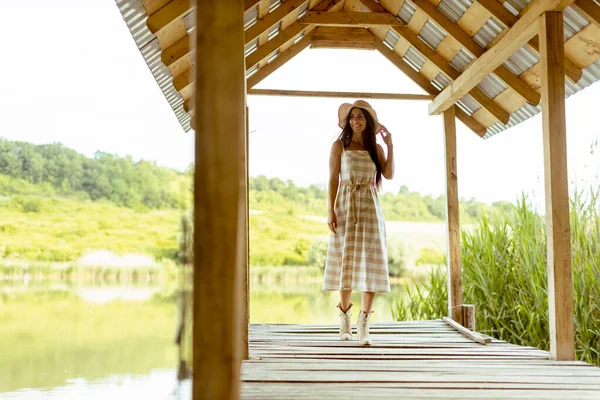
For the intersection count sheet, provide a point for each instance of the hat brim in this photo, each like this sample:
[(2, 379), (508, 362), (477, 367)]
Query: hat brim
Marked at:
[(344, 110)]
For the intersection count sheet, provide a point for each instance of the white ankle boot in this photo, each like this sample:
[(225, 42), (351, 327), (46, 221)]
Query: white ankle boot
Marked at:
[(345, 323), (363, 328)]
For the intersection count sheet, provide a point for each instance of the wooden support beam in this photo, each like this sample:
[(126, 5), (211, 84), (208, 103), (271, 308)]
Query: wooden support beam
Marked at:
[(502, 14), (558, 230), (404, 67), (374, 6), (167, 15), (510, 79), (468, 311), (248, 4), (219, 147), (341, 95), (496, 110), (349, 38), (452, 218), (590, 9), (188, 105), (245, 242), (265, 23), (350, 19), (172, 54), (341, 44), (420, 80), (184, 80), (475, 336), (280, 60), (272, 45), (522, 31)]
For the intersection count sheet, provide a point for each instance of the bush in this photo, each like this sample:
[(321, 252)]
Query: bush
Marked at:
[(397, 255), (428, 256), (317, 252)]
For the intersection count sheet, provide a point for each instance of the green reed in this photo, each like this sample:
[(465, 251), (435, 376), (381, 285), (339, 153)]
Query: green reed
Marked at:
[(505, 276)]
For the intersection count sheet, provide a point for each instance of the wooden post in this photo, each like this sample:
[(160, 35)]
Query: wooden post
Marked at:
[(246, 244), (558, 231), (218, 186), (452, 220), (468, 311)]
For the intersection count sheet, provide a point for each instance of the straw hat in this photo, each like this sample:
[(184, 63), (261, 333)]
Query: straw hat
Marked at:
[(345, 108)]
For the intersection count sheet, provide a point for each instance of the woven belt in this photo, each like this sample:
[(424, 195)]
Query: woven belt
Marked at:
[(354, 189)]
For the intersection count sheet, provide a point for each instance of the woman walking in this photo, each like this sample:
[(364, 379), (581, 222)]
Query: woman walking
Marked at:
[(357, 253)]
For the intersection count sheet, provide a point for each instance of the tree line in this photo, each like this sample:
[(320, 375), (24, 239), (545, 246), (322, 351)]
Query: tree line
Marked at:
[(120, 180)]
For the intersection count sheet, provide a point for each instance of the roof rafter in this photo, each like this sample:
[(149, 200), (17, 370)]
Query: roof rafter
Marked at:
[(522, 31), (248, 4), (350, 19), (318, 93), (510, 79), (420, 80), (280, 60), (342, 37), (184, 80), (287, 34), (272, 45), (264, 24), (590, 10), (168, 14), (502, 14), (175, 52), (496, 110)]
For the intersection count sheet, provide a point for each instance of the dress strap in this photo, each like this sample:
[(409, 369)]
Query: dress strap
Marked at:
[(342, 142)]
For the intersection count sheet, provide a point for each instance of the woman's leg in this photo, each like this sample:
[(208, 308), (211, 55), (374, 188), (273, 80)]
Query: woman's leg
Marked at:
[(367, 301), (345, 297), (345, 315), (363, 318)]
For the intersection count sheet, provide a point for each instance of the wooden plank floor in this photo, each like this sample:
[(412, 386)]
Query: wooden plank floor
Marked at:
[(408, 360)]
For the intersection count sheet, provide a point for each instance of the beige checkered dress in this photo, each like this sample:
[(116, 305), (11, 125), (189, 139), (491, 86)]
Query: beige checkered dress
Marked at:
[(357, 253)]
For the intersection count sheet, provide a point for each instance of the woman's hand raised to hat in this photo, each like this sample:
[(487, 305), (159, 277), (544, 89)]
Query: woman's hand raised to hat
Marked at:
[(387, 136)]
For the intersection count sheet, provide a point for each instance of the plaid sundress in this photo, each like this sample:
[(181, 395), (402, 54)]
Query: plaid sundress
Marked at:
[(357, 253)]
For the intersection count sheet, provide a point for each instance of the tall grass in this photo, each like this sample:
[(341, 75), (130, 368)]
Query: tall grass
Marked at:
[(505, 276)]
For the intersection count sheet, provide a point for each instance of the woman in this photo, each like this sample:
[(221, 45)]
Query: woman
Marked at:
[(357, 253)]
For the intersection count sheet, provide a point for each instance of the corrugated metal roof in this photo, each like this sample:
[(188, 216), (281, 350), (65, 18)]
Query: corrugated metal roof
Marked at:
[(135, 17), (461, 60), (432, 35), (488, 32), (454, 9), (590, 75), (406, 12), (492, 86)]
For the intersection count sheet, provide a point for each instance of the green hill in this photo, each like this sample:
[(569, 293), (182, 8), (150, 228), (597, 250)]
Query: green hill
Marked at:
[(57, 205)]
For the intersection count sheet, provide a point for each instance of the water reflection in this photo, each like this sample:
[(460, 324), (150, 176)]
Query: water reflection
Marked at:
[(117, 342)]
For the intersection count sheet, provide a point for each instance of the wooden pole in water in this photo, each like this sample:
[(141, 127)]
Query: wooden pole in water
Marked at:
[(558, 230), (452, 219), (220, 90)]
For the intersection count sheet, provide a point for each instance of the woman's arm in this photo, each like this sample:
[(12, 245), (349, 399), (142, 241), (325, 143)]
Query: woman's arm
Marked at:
[(387, 165), (334, 183)]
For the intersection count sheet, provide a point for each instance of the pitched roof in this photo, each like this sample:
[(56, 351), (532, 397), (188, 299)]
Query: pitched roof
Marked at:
[(431, 41)]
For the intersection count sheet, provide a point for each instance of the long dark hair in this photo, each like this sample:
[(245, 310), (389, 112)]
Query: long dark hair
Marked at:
[(369, 140)]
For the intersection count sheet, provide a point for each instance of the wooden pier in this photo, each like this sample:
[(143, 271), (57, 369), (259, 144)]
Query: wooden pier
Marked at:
[(408, 360)]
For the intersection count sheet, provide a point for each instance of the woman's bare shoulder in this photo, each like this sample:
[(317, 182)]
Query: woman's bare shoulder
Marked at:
[(336, 147)]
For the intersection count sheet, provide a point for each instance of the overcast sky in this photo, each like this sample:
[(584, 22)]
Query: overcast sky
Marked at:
[(72, 74)]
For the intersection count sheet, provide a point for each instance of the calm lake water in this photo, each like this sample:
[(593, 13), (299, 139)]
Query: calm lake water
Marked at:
[(117, 342)]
